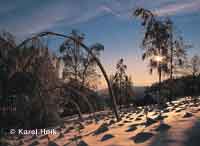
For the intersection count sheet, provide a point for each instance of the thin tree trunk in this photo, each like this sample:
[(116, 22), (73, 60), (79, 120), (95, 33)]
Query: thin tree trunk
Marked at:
[(171, 66), (171, 58), (159, 88), (159, 80), (77, 108)]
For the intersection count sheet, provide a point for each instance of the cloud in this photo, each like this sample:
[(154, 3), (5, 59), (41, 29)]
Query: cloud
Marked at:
[(109, 10), (24, 17), (47, 16), (121, 9), (40, 18), (176, 8), (31, 18)]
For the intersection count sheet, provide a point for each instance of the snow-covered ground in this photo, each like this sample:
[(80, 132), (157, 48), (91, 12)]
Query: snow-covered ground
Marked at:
[(179, 127)]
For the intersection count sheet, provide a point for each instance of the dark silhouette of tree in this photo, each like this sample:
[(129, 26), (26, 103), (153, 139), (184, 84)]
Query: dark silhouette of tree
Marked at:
[(79, 64), (193, 69), (7, 63), (155, 42), (177, 55), (72, 56), (122, 84), (26, 72), (119, 78), (161, 40), (194, 66), (129, 91)]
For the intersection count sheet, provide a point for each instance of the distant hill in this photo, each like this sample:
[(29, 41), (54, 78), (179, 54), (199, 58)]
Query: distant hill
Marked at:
[(138, 91)]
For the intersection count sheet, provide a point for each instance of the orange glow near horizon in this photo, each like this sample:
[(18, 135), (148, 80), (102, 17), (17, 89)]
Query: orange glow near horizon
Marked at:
[(138, 71), (143, 80), (136, 68)]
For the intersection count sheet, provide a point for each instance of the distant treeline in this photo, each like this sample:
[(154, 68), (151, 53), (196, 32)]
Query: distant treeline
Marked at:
[(170, 90), (179, 87)]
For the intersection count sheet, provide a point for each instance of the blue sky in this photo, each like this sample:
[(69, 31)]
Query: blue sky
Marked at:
[(105, 21)]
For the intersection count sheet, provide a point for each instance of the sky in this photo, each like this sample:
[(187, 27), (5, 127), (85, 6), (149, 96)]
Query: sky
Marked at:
[(109, 22)]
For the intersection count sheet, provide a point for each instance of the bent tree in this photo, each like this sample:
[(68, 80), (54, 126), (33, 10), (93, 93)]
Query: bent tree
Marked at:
[(87, 49)]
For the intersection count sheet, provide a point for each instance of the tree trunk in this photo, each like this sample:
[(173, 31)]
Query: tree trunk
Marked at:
[(171, 66), (159, 78), (77, 108), (159, 88)]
